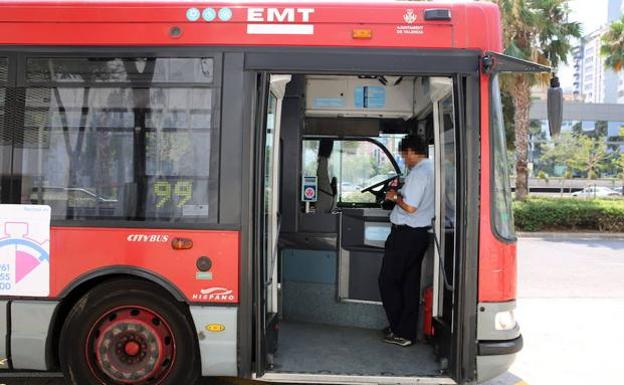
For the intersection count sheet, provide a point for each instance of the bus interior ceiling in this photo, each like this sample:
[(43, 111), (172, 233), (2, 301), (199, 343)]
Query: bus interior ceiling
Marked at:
[(329, 253)]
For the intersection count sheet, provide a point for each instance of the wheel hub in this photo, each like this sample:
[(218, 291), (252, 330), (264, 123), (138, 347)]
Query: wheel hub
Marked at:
[(132, 348), (131, 345)]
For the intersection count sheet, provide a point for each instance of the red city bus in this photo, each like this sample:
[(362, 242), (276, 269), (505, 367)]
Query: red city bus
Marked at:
[(196, 189)]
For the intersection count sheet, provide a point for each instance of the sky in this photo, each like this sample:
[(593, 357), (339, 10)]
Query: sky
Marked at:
[(591, 14)]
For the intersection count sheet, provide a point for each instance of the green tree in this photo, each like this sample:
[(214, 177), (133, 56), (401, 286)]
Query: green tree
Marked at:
[(508, 119), (579, 154), (535, 30), (618, 160), (612, 47), (591, 155), (619, 164), (562, 151)]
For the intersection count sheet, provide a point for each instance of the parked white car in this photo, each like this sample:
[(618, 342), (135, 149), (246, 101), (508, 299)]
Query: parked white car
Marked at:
[(595, 191)]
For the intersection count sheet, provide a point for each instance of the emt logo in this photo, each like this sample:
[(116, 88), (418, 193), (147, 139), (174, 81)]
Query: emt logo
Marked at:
[(279, 21)]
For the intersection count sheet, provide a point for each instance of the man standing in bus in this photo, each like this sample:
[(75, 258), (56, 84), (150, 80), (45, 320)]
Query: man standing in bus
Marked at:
[(399, 278)]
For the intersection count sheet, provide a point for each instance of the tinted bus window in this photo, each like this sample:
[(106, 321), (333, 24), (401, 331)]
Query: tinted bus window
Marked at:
[(4, 70), (196, 71), (5, 137), (142, 149)]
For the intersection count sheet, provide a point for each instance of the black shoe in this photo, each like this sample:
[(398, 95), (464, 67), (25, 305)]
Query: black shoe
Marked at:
[(393, 339), (387, 332)]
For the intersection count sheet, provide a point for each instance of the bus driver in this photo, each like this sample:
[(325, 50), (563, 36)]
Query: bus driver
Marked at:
[(399, 278)]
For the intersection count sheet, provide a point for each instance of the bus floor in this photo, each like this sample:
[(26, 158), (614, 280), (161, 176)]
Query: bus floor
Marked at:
[(328, 349)]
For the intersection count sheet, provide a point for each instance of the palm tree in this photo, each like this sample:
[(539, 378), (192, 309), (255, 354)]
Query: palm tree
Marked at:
[(613, 46), (536, 30)]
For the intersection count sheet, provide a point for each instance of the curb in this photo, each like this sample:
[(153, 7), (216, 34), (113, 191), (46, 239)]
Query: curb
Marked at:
[(571, 235)]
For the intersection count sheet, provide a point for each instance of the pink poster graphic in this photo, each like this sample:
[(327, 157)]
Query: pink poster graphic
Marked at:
[(24, 250)]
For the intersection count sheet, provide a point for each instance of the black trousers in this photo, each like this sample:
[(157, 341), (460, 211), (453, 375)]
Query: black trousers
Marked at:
[(399, 278)]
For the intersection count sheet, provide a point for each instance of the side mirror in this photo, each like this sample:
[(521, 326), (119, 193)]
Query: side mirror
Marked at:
[(555, 106)]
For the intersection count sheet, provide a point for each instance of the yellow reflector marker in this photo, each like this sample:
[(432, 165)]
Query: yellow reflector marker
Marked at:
[(362, 34), (215, 328), (181, 243)]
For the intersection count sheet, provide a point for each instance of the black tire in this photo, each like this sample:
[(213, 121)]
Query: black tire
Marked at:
[(96, 313)]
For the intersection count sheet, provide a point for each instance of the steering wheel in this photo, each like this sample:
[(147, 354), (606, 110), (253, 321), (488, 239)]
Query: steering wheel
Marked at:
[(380, 195)]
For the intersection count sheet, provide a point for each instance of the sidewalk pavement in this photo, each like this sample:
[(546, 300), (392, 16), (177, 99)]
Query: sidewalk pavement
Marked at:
[(571, 235)]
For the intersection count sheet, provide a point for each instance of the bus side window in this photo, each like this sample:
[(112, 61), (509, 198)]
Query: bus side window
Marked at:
[(142, 148), (5, 137)]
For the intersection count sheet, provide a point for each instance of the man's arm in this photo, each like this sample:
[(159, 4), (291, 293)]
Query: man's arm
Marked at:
[(396, 197)]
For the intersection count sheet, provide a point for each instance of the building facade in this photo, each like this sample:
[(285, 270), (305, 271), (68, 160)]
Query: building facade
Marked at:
[(593, 82)]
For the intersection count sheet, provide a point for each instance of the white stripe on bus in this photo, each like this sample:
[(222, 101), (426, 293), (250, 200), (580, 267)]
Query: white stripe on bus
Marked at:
[(280, 29)]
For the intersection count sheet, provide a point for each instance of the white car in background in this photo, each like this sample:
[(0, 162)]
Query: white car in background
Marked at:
[(596, 192), (349, 187)]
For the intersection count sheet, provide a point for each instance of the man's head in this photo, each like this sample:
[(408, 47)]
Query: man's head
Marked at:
[(412, 149)]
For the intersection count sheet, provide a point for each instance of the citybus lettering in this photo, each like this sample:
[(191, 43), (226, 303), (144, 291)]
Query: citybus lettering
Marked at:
[(152, 238)]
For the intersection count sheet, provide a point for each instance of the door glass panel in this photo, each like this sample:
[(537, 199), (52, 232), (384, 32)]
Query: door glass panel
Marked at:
[(449, 164), (270, 189), (447, 207)]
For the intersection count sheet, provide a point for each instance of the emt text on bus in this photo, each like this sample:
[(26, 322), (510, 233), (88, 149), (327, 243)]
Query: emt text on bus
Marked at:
[(197, 189)]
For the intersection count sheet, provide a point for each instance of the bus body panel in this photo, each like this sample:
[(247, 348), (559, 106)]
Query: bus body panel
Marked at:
[(217, 328), (497, 259), (79, 251), (29, 334), (396, 24)]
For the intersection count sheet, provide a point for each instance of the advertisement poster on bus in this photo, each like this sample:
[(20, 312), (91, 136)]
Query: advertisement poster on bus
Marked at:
[(25, 250)]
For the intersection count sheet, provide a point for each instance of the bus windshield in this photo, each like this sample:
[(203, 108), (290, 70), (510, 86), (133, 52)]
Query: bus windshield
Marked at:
[(501, 187)]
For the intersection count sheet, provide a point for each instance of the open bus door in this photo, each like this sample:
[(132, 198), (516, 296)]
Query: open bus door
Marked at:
[(261, 235), (457, 112), (270, 93)]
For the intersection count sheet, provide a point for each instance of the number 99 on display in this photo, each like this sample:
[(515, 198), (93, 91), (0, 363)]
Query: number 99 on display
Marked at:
[(180, 192)]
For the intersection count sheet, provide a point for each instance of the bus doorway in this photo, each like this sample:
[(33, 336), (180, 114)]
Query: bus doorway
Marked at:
[(328, 152)]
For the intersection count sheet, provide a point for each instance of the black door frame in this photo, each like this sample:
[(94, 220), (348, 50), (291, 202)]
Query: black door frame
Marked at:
[(464, 67)]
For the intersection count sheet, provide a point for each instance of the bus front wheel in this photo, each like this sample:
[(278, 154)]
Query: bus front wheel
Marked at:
[(126, 332)]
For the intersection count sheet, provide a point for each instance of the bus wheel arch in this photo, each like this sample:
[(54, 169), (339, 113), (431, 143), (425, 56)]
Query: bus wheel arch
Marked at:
[(91, 283)]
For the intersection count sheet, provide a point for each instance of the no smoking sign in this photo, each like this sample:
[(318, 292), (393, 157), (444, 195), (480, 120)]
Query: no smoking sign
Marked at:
[(309, 188)]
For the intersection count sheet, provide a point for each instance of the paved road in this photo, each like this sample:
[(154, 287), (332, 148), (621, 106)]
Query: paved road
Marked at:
[(571, 311)]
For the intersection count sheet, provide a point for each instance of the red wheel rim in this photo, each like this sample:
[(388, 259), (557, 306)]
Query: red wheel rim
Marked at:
[(130, 345)]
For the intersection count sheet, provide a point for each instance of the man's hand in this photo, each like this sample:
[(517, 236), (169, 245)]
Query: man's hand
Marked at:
[(392, 195)]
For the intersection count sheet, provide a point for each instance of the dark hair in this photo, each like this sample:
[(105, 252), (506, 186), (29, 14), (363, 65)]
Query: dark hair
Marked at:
[(414, 143)]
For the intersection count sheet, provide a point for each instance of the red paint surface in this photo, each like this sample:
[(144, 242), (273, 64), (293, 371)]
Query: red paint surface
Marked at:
[(497, 260), (473, 26), (78, 251), (428, 316)]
